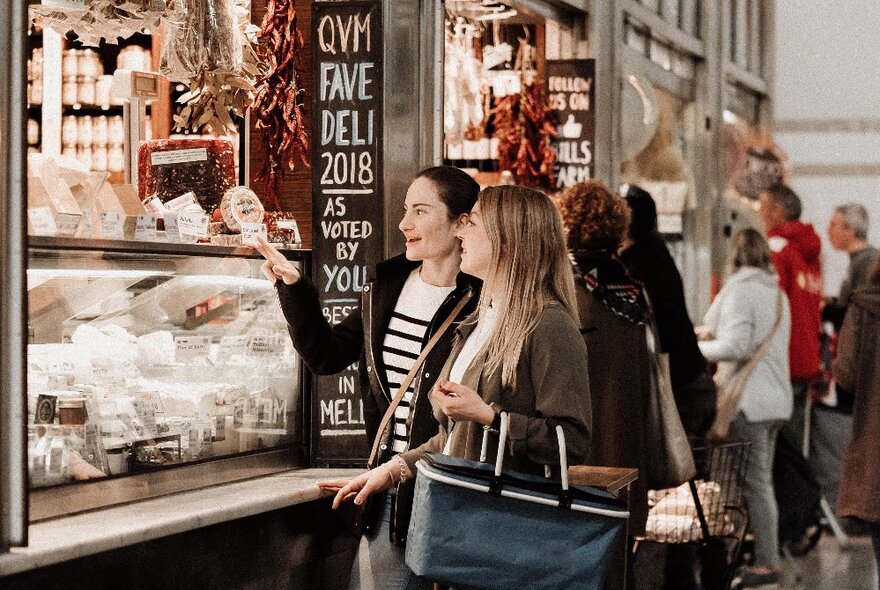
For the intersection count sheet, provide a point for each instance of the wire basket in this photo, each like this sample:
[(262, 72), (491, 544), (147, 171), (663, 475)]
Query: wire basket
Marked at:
[(710, 505)]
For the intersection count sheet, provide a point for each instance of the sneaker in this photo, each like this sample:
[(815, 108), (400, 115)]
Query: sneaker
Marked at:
[(748, 578)]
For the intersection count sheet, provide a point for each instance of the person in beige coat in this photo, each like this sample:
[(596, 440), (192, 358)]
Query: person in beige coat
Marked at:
[(857, 369), (521, 352)]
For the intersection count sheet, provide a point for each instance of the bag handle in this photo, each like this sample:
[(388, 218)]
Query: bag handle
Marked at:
[(496, 485), (389, 413)]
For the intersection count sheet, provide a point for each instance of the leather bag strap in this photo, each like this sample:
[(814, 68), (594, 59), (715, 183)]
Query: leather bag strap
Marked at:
[(389, 413)]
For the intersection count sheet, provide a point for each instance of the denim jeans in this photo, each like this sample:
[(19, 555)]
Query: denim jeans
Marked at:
[(758, 486), (379, 564)]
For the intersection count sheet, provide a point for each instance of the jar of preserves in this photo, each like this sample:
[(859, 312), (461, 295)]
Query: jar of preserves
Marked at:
[(99, 158), (84, 131), (86, 91), (69, 130), (90, 65), (85, 156), (100, 131), (70, 64), (116, 131), (69, 91), (115, 158), (33, 132)]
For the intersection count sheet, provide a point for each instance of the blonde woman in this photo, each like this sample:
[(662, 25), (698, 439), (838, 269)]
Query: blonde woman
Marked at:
[(521, 352)]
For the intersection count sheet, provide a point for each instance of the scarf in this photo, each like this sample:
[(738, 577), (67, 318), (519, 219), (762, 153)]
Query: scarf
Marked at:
[(608, 281)]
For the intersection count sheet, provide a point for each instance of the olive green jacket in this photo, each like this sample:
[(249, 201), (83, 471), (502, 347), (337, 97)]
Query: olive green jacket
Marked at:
[(551, 388)]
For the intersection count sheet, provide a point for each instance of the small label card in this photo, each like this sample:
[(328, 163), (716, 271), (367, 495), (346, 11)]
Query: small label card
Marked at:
[(250, 231), (192, 223), (171, 233), (145, 228), (191, 347), (112, 225), (42, 221)]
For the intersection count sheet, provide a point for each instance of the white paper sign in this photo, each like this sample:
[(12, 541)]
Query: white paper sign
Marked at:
[(233, 346), (179, 156), (112, 225), (42, 221), (171, 232), (191, 223), (145, 228), (191, 347), (250, 231), (290, 224), (262, 346)]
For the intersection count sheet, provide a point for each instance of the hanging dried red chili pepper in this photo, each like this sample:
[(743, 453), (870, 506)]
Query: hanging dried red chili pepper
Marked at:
[(278, 106), (525, 126)]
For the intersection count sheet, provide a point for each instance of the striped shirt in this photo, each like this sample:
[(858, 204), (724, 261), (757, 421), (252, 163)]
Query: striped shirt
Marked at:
[(416, 306)]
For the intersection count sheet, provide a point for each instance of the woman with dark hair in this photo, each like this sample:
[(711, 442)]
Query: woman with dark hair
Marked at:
[(857, 368), (406, 300), (613, 314), (648, 260)]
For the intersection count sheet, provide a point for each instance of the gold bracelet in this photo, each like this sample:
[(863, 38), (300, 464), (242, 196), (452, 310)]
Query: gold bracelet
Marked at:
[(402, 468)]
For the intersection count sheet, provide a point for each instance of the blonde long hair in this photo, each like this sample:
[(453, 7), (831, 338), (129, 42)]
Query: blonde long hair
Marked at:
[(530, 269)]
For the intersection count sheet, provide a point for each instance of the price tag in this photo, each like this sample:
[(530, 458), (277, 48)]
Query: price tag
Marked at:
[(262, 346), (191, 223), (233, 345), (145, 228), (191, 347), (250, 231), (171, 233), (42, 221), (290, 224), (112, 225)]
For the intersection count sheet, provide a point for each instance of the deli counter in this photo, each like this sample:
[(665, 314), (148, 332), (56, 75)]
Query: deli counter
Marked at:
[(165, 362)]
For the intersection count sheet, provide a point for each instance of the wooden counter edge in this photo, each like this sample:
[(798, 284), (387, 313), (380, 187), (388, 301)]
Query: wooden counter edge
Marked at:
[(612, 479)]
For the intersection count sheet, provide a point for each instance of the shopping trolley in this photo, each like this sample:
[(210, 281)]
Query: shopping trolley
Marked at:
[(707, 513)]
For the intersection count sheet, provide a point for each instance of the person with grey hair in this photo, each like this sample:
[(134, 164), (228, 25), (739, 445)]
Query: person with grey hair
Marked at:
[(831, 422), (848, 232)]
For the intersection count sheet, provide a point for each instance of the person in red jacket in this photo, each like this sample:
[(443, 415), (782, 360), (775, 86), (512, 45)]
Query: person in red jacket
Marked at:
[(795, 248)]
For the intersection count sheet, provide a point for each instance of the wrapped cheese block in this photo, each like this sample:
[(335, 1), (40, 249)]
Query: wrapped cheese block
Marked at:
[(168, 168)]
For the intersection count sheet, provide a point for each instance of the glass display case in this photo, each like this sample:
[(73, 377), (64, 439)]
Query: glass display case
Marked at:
[(154, 360)]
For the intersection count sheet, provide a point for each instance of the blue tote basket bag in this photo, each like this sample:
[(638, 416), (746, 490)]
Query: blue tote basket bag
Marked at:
[(480, 527)]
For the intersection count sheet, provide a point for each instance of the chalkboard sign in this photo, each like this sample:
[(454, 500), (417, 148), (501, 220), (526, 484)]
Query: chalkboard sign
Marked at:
[(570, 87), (348, 201)]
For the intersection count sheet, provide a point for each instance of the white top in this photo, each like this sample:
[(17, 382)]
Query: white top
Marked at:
[(416, 306), (741, 316), (475, 342)]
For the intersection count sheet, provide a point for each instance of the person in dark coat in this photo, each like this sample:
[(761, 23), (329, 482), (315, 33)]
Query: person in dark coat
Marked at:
[(405, 302), (857, 368), (648, 260), (613, 314)]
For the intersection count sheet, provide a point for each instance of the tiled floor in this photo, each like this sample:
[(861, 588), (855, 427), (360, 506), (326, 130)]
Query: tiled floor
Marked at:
[(829, 567)]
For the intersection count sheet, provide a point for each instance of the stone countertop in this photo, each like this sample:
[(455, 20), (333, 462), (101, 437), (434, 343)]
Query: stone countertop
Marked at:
[(80, 535)]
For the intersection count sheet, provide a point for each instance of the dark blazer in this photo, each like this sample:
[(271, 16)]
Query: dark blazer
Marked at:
[(620, 390), (329, 349)]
